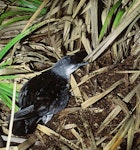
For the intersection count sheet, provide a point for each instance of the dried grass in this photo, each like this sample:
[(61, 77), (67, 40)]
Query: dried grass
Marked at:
[(74, 26)]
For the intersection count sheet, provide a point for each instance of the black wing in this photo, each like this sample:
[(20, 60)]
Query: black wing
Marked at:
[(47, 89), (40, 98)]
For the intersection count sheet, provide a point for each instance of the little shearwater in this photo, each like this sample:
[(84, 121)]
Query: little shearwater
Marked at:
[(45, 95)]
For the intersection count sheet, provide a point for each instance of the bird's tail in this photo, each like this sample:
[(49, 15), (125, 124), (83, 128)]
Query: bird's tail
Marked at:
[(25, 121), (24, 126)]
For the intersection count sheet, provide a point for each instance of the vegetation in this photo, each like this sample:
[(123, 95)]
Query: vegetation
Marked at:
[(34, 34)]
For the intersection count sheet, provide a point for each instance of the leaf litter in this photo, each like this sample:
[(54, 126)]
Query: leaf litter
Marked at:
[(106, 85)]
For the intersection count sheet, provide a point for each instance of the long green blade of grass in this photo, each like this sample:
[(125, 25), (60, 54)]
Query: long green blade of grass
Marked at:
[(108, 18), (15, 19), (6, 92), (7, 88), (25, 10), (7, 101), (118, 18), (22, 35), (8, 77)]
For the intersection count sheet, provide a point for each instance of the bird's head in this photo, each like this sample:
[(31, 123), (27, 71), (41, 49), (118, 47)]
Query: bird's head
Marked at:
[(67, 65)]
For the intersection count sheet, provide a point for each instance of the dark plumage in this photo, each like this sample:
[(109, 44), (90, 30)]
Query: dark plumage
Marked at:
[(44, 95)]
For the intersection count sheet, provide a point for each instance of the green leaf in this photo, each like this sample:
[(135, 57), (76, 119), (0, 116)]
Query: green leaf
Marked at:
[(7, 88), (108, 18), (20, 36), (7, 77), (14, 19), (118, 18), (7, 101), (6, 93)]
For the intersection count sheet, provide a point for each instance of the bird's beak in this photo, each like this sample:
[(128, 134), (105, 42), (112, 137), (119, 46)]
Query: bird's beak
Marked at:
[(83, 64)]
